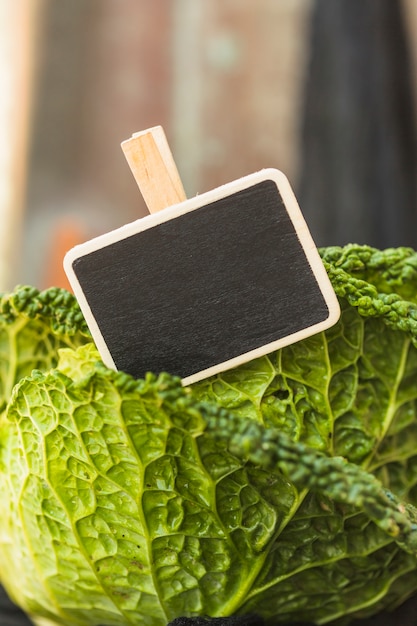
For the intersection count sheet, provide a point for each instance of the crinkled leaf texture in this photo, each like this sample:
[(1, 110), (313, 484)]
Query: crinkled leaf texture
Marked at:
[(125, 514), (284, 487), (33, 326)]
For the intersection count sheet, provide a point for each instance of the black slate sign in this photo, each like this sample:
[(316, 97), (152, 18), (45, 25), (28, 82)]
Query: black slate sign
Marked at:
[(204, 285)]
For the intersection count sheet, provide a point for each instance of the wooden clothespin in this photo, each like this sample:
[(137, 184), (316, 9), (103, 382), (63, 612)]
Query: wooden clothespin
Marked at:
[(153, 167)]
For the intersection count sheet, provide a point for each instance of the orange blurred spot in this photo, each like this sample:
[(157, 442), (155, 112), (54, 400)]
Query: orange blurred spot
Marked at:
[(67, 233)]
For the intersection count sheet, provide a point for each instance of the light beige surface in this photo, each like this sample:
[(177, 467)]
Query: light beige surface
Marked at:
[(18, 31)]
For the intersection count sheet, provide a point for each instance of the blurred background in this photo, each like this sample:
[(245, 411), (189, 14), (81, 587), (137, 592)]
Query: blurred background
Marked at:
[(324, 90)]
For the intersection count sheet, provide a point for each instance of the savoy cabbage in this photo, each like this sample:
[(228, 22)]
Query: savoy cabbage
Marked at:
[(286, 487)]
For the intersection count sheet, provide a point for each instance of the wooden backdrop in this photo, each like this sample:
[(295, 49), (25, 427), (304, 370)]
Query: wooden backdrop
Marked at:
[(233, 82)]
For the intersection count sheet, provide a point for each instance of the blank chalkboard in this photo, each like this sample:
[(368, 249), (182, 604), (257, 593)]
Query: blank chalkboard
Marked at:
[(206, 284)]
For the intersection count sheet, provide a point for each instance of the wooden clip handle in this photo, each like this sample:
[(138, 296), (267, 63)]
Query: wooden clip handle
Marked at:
[(153, 166)]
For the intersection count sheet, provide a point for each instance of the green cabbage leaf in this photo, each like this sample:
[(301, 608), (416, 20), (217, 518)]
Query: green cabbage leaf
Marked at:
[(286, 487), (34, 325)]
